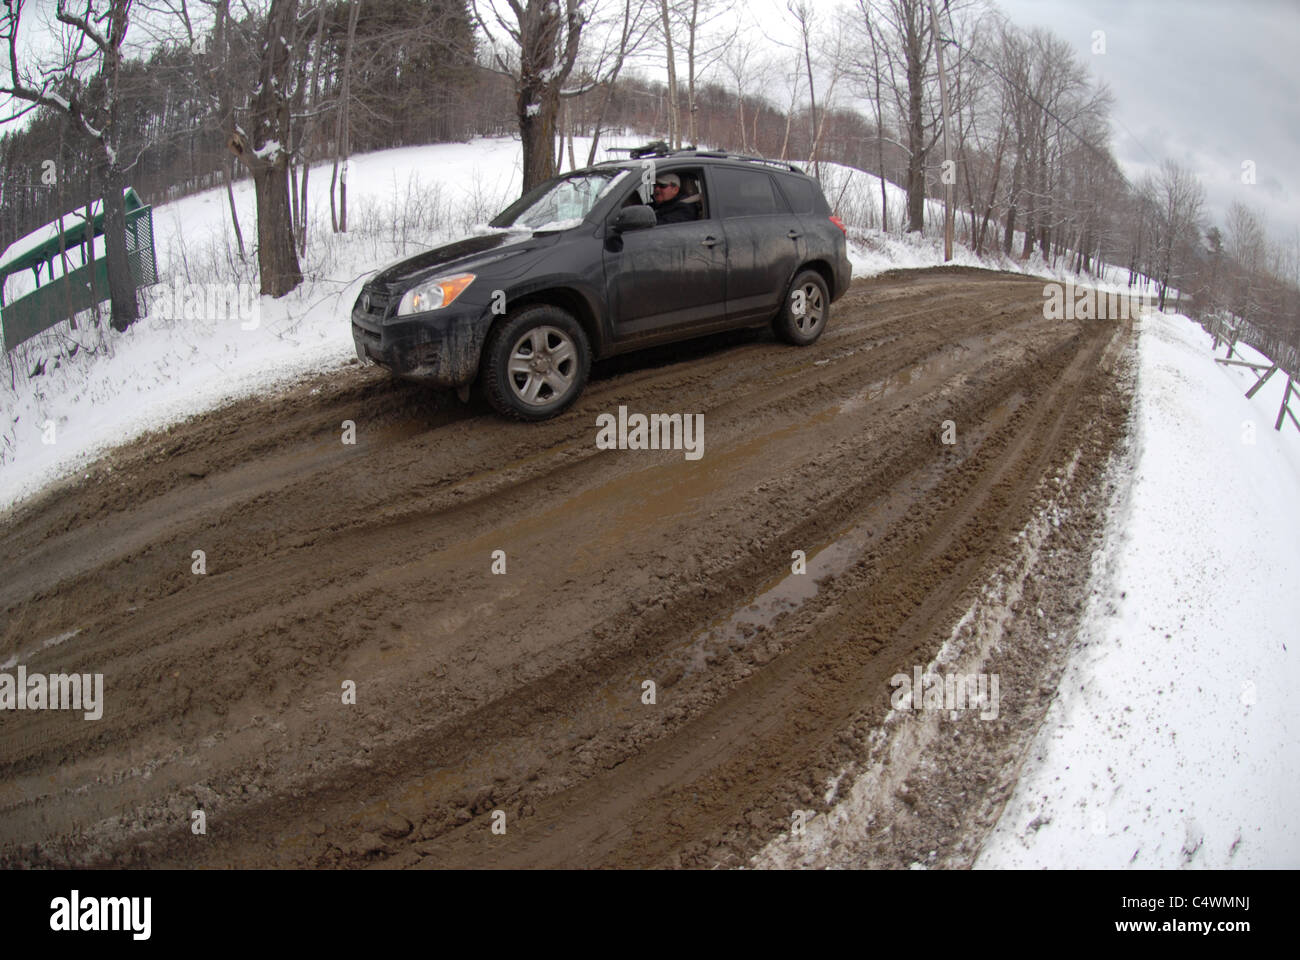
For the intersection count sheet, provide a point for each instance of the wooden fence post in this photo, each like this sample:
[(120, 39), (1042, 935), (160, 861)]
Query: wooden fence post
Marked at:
[(1285, 410)]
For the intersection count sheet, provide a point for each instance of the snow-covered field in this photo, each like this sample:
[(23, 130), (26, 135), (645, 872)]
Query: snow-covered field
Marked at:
[(1174, 740)]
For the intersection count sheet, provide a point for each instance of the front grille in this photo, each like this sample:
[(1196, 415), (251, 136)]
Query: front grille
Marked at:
[(379, 300)]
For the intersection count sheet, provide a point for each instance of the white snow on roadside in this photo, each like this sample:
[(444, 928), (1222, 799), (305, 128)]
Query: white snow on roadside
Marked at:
[(1174, 740)]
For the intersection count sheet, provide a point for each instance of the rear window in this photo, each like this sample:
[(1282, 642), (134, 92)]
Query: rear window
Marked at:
[(748, 193), (800, 194)]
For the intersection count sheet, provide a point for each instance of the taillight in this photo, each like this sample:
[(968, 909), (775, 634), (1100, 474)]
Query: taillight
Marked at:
[(840, 223)]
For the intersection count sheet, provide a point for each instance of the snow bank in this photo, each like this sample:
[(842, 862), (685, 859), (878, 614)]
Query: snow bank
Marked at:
[(1174, 740)]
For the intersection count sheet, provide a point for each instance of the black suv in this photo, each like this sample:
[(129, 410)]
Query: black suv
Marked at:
[(579, 268)]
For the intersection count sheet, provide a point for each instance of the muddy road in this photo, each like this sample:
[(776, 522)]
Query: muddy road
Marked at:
[(940, 457)]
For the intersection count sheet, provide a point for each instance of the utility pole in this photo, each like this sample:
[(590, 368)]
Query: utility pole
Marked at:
[(949, 175)]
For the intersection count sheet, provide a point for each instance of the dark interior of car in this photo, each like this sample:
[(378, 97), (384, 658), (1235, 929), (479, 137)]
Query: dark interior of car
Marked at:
[(691, 192)]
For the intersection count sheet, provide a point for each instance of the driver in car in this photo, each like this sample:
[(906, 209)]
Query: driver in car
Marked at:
[(667, 205)]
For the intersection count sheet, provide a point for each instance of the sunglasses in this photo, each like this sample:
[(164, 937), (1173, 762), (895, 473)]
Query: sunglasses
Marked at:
[(664, 186)]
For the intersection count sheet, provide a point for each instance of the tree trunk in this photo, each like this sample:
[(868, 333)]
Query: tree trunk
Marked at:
[(277, 257), (309, 131), (353, 14), (812, 103), (693, 134), (915, 135), (595, 130), (293, 194), (789, 114), (334, 177), (537, 132), (302, 212), (343, 175), (89, 248), (573, 163), (277, 260), (1013, 198), (674, 124)]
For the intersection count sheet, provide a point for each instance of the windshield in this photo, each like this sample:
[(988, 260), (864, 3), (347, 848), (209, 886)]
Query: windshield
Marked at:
[(559, 204)]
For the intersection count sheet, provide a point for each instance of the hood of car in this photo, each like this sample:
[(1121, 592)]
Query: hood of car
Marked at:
[(462, 254)]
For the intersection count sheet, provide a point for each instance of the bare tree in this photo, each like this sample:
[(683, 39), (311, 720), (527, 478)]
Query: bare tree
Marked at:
[(1246, 245), (702, 52), (1180, 196), (674, 120), (265, 152), (223, 80), (870, 77), (535, 43), (834, 51), (343, 129), (633, 26), (907, 41), (794, 99), (802, 12), (168, 21), (311, 97), (739, 63)]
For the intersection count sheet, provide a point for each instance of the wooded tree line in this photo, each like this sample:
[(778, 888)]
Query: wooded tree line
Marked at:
[(404, 73), (267, 88)]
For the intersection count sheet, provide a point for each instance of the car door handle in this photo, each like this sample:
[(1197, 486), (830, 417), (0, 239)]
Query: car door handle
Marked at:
[(709, 242), (794, 234)]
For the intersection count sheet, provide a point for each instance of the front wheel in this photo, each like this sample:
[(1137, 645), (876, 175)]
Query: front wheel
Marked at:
[(535, 363), (806, 309)]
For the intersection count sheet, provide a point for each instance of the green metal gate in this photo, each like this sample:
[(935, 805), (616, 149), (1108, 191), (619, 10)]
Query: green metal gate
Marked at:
[(60, 297)]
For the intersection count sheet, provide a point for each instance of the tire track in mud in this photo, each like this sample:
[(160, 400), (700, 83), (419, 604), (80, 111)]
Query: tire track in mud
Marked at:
[(453, 487), (646, 807), (368, 548), (516, 692)]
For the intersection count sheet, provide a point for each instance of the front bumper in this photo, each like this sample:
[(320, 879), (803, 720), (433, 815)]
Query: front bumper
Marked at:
[(440, 348)]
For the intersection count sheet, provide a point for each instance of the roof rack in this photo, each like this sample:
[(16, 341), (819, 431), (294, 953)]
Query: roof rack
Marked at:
[(658, 148), (724, 155), (655, 148)]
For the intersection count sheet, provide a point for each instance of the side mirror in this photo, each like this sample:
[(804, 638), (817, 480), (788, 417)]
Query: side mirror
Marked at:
[(637, 217)]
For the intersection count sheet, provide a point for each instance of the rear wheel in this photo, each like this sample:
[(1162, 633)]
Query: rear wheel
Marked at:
[(806, 309), (535, 363)]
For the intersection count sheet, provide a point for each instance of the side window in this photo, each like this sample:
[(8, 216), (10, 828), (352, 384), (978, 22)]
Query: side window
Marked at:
[(748, 193), (691, 192), (799, 193)]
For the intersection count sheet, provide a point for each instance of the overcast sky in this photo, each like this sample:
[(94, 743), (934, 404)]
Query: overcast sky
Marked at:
[(1209, 83)]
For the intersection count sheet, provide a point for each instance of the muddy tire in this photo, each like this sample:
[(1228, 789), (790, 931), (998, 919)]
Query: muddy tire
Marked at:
[(535, 364), (805, 311)]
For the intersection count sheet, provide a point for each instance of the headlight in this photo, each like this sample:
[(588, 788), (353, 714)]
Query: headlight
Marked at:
[(433, 294)]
